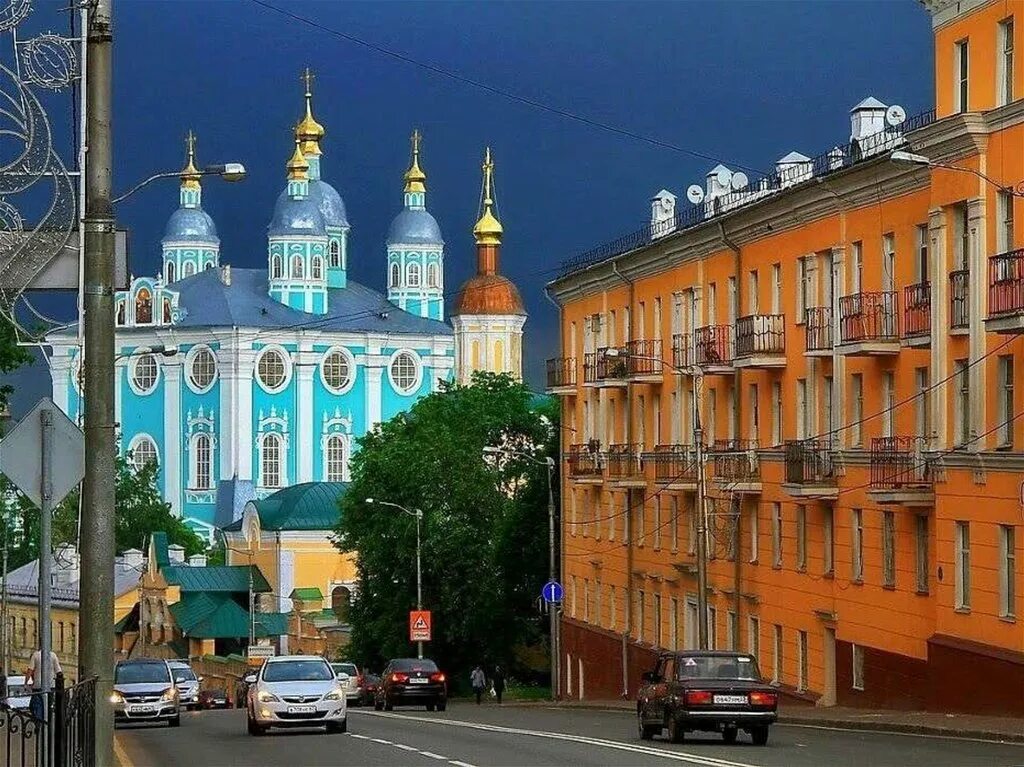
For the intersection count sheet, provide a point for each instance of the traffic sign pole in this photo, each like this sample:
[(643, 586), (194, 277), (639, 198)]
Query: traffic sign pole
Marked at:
[(45, 553)]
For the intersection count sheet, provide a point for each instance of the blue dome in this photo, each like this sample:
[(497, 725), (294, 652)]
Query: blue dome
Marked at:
[(332, 207), (296, 217), (190, 225), (414, 227)]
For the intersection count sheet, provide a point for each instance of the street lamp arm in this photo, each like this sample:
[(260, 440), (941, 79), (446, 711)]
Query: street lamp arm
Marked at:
[(147, 182), (1015, 190), (232, 171)]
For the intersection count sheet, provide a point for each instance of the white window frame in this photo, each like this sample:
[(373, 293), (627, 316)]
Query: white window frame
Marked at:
[(776, 534), (287, 361), (801, 537), (857, 406), (395, 272), (802, 651), (330, 460), (754, 637), (418, 370), (1004, 221), (1004, 70), (754, 533), (412, 274), (190, 364), (777, 658), (282, 460), (138, 440), (349, 361), (962, 75), (857, 667), (1006, 410), (1007, 571), (777, 413), (137, 358), (200, 466), (921, 557), (962, 540), (888, 549), (857, 545), (828, 524)]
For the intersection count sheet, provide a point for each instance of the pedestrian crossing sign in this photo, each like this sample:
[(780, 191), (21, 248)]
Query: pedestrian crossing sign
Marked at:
[(419, 626)]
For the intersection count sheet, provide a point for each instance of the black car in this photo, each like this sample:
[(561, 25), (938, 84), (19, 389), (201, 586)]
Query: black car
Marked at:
[(708, 691), (368, 689), (411, 681)]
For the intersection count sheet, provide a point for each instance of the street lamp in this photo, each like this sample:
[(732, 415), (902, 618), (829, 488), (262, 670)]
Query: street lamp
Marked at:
[(231, 172), (418, 515), (911, 158), (552, 570), (700, 458)]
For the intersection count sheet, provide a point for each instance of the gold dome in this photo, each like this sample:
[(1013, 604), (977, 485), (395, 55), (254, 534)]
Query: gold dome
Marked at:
[(298, 166), (488, 294), (415, 178), (190, 174), (309, 131), (488, 228)]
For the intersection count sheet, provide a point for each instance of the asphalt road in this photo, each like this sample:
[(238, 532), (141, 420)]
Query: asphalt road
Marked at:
[(488, 736)]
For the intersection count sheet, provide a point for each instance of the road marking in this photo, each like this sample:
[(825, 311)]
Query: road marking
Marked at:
[(434, 756), (679, 756), (361, 737), (120, 755), (929, 736), (460, 764), (404, 747), (381, 740)]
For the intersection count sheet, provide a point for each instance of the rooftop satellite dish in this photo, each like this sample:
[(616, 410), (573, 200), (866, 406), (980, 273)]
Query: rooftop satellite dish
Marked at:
[(895, 115), (695, 194), (739, 181), (724, 177)]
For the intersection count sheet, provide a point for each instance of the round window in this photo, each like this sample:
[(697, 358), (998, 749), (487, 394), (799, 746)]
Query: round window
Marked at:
[(404, 372), (143, 453), (144, 373), (272, 370), (203, 369), (337, 371)]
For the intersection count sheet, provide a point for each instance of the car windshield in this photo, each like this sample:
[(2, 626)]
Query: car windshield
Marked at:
[(183, 675), (345, 668), (717, 667), (414, 664), (141, 673), (298, 671)]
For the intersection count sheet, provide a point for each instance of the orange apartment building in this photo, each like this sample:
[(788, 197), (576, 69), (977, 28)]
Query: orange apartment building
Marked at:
[(852, 327)]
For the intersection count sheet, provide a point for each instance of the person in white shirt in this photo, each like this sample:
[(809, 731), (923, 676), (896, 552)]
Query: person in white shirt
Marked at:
[(34, 677)]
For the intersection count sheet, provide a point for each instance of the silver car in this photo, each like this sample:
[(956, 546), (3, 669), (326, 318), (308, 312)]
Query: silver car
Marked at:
[(295, 691), (187, 682), (348, 675), (144, 691)]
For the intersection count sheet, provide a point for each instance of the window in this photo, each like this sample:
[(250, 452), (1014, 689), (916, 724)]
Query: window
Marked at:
[(888, 403), (143, 452), (640, 615), (963, 403), (298, 268), (829, 535), (691, 538), (1005, 53), (412, 275), (753, 305), (337, 371), (673, 624), (144, 373), (586, 600), (656, 641), (826, 412), (169, 272), (317, 272), (1004, 221), (962, 71), (888, 262), (394, 279), (613, 617), (657, 522), (801, 649), (753, 533), (334, 254), (776, 413), (962, 536), (857, 545), (404, 372), (857, 663), (922, 404), (270, 462), (776, 534), (776, 288), (888, 549), (572, 600), (712, 628), (710, 427), (802, 409), (202, 369), (272, 370), (754, 636), (432, 274), (189, 269), (857, 270), (1006, 411), (275, 268), (801, 537), (119, 316), (730, 404), (857, 409), (597, 602), (335, 459), (712, 303), (777, 654), (962, 244), (754, 430), (733, 626), (921, 539), (143, 307), (202, 462), (922, 253), (732, 300), (1007, 571)]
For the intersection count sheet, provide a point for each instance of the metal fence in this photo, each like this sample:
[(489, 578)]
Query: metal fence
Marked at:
[(818, 326), (760, 334), (869, 317), (917, 310), (1006, 283), (898, 463), (810, 462), (713, 345), (65, 737), (674, 463), (561, 371), (585, 459), (624, 460), (959, 303), (644, 357)]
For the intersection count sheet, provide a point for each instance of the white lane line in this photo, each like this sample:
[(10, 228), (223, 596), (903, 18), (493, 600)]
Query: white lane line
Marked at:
[(679, 756), (361, 737), (382, 741), (460, 764), (926, 735), (432, 755), (404, 747)]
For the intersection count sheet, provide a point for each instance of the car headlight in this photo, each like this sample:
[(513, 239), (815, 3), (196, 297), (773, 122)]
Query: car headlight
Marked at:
[(267, 697), (170, 694), (337, 694), (116, 698)]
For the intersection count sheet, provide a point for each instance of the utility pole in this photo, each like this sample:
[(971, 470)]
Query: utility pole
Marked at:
[(419, 579), (97, 524), (552, 577), (45, 555), (702, 521), (5, 635)]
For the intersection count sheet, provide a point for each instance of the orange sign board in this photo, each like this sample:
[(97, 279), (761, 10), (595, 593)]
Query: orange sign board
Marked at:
[(419, 625)]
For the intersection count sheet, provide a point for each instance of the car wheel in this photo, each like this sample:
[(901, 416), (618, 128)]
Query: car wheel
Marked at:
[(442, 705), (760, 735), (431, 706), (676, 733), (388, 705), (646, 730), (254, 729), (338, 727), (378, 706), (175, 722), (729, 735)]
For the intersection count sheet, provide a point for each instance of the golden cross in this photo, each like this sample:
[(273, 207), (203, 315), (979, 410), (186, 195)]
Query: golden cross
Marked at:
[(416, 137), (190, 142), (488, 168), (307, 78)]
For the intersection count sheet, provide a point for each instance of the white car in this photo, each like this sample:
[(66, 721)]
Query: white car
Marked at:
[(296, 691), (187, 683), (18, 693), (348, 675)]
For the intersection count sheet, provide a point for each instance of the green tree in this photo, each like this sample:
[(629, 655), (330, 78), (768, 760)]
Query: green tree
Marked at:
[(484, 526), (12, 356)]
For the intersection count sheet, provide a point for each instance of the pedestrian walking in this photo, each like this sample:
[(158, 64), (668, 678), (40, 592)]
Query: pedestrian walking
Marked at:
[(498, 683), (34, 677), (478, 681)]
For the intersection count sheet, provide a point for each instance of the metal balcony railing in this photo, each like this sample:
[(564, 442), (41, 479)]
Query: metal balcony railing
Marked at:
[(1006, 284), (610, 367), (869, 317), (674, 463), (818, 326), (644, 357), (898, 463), (682, 350), (713, 345), (736, 460), (561, 371), (585, 459), (624, 461), (758, 334), (917, 310), (590, 367), (959, 303), (809, 462)]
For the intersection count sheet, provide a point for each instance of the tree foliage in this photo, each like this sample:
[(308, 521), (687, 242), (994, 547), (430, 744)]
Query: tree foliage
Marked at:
[(12, 356), (484, 529)]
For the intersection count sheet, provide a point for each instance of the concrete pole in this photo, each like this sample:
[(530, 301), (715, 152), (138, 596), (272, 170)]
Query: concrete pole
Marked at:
[(97, 523), (702, 522), (419, 579), (45, 555), (552, 576)]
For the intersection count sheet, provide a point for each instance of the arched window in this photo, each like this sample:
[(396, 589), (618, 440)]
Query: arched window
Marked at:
[(335, 254), (412, 275), (298, 269), (432, 273), (120, 313), (144, 370), (270, 469), (318, 269), (474, 355), (202, 462), (143, 452), (170, 271), (499, 356), (275, 267), (202, 369), (188, 270), (335, 459), (209, 264), (143, 307), (404, 372), (341, 600), (395, 275), (166, 314)]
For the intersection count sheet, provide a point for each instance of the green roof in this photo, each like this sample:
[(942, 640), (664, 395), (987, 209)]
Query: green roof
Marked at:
[(307, 506), (220, 578), (160, 546), (306, 594), (218, 616)]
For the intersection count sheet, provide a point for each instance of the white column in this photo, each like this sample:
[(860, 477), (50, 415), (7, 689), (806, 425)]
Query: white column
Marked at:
[(60, 375), (305, 439), (374, 382), (227, 367), (243, 414), (119, 367), (839, 382), (977, 304), (939, 358), (172, 433)]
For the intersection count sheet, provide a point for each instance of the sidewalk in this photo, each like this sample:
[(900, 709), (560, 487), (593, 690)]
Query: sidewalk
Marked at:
[(912, 722)]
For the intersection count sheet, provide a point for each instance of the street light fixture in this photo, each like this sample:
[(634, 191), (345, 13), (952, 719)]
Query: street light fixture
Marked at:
[(912, 158), (231, 172), (418, 515)]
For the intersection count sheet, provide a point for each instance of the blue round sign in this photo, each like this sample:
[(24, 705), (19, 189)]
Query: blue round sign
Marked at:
[(552, 592)]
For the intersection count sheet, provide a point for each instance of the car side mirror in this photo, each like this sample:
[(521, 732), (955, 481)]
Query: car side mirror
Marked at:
[(201, 678), (341, 676), (250, 679), (650, 677)]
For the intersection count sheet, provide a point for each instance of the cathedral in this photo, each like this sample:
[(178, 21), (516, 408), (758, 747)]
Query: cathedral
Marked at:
[(239, 382)]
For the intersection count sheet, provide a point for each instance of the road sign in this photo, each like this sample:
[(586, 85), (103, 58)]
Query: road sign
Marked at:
[(419, 625), (552, 591), (20, 451)]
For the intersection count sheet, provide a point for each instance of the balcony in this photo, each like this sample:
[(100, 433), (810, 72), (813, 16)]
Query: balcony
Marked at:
[(737, 465), (761, 341), (810, 469), (917, 314), (900, 474), (1006, 292), (682, 351), (713, 348), (590, 368), (561, 375), (959, 304), (624, 465), (644, 362), (675, 466), (818, 328), (869, 324), (611, 368), (584, 462)]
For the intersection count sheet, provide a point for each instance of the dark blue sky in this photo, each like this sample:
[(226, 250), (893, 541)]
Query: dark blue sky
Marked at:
[(745, 82)]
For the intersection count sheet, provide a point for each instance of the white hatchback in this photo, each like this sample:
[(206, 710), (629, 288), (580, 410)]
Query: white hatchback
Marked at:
[(295, 691)]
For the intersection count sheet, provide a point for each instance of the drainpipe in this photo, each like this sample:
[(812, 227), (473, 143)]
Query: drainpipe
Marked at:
[(556, 640)]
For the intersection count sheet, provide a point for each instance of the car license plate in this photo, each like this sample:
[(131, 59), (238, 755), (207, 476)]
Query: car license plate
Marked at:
[(141, 709), (417, 680), (730, 699), (301, 709)]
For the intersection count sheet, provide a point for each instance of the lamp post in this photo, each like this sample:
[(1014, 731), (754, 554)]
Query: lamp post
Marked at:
[(911, 158), (230, 171), (417, 514), (696, 375), (552, 568)]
